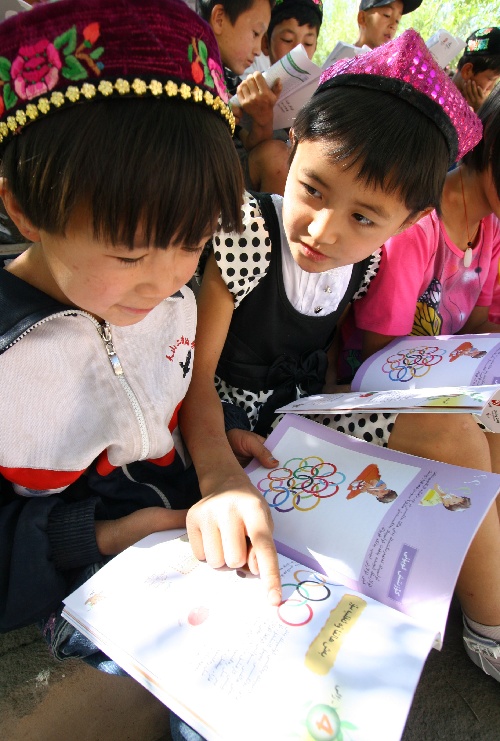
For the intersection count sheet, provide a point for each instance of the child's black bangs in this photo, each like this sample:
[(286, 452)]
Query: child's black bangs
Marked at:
[(391, 144), (161, 172)]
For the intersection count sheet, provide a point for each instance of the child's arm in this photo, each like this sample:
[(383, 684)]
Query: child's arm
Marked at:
[(257, 100), (478, 322), (232, 511), (45, 540), (373, 341)]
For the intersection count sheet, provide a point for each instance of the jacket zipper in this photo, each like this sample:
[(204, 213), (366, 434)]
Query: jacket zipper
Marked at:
[(105, 334)]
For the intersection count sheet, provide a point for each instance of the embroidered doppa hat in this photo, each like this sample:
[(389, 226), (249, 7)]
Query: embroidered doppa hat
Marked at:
[(483, 42), (77, 51), (408, 5), (407, 69)]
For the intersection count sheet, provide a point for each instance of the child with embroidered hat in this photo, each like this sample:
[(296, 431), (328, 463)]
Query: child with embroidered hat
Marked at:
[(370, 153), (292, 22), (478, 69), (378, 20), (116, 163)]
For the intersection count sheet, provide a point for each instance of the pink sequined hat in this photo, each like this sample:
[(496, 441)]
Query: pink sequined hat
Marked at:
[(407, 69), (77, 51)]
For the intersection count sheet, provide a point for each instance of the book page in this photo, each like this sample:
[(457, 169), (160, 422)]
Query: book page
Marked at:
[(371, 518), (430, 362), (208, 644), (444, 46), (299, 77), (342, 50), (483, 401)]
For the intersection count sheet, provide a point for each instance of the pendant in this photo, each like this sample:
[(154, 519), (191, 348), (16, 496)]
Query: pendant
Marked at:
[(467, 257)]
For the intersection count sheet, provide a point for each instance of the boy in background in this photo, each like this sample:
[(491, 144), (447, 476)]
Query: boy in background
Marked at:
[(292, 22), (378, 20), (478, 69), (239, 26)]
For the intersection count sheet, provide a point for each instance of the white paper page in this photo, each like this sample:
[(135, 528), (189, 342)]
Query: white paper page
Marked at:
[(210, 646), (459, 399), (342, 50), (444, 46), (295, 70)]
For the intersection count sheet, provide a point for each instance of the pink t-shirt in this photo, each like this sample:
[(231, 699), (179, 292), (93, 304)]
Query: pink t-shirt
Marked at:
[(423, 287)]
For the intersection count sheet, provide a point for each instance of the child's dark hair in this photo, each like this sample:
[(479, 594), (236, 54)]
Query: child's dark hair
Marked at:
[(394, 145), (232, 8), (487, 152), (303, 14), (167, 167), (480, 63)]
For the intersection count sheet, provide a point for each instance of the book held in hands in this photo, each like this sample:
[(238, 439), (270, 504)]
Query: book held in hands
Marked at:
[(370, 545)]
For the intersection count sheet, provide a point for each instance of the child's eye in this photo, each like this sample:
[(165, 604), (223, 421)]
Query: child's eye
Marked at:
[(130, 260), (311, 191), (363, 220), (196, 249)]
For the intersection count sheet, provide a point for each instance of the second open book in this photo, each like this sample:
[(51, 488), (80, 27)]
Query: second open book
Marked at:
[(450, 373), (370, 545)]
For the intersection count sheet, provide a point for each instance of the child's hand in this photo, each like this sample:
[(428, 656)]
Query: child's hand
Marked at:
[(247, 445), (113, 536), (224, 523), (474, 95), (237, 113), (257, 99)]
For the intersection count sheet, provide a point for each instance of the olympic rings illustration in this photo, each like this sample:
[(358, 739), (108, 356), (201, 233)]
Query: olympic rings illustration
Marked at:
[(300, 484), (313, 588), (414, 363)]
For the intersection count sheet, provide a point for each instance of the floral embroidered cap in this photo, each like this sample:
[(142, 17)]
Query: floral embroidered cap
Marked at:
[(75, 51), (483, 42), (407, 69)]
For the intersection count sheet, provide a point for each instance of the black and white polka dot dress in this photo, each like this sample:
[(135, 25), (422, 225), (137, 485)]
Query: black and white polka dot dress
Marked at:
[(276, 352)]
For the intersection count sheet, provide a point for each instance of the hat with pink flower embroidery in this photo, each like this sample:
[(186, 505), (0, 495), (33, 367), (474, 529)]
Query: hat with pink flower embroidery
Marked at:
[(407, 69), (62, 53)]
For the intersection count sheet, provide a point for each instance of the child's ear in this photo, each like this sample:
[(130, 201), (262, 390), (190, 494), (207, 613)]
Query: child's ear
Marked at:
[(413, 219), (16, 213), (265, 44), (217, 18), (467, 71), (361, 19)]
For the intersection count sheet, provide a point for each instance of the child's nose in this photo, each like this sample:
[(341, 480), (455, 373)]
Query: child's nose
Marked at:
[(323, 227)]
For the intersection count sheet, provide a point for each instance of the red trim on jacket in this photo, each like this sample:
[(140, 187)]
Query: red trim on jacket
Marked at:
[(39, 479)]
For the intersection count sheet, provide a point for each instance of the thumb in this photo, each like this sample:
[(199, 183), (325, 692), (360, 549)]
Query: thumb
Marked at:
[(258, 450), (277, 87)]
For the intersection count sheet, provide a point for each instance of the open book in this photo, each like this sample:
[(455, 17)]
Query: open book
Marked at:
[(368, 573), (299, 77), (414, 374)]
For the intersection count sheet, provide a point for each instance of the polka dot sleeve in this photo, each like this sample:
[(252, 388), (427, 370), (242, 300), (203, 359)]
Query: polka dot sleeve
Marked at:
[(243, 259)]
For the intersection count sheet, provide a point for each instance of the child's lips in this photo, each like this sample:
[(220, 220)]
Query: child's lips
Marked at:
[(312, 253)]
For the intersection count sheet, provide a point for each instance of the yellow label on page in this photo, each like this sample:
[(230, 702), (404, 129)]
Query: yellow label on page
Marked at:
[(323, 651)]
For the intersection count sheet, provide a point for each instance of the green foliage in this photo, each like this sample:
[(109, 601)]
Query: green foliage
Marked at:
[(459, 18)]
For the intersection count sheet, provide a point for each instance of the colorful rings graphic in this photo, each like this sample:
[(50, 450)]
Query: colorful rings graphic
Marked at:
[(300, 484), (413, 363)]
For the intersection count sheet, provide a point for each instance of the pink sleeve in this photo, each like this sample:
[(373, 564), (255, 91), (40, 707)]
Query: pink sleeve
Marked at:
[(389, 304), (491, 237)]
